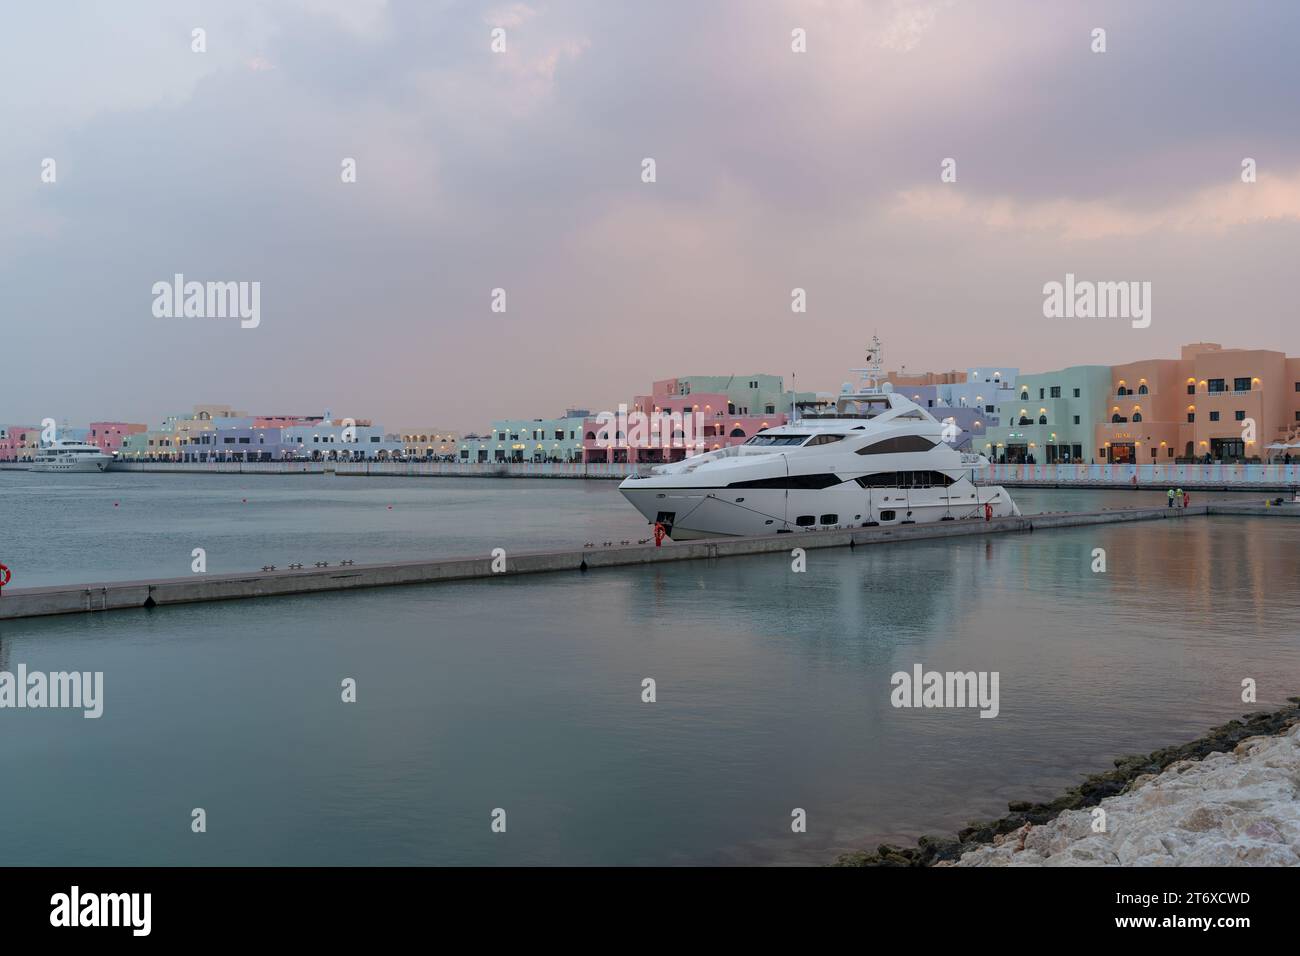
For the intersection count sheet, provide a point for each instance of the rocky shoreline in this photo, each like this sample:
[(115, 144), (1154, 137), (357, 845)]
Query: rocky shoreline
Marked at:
[(1143, 789)]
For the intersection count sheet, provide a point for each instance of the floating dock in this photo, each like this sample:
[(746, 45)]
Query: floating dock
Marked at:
[(119, 595)]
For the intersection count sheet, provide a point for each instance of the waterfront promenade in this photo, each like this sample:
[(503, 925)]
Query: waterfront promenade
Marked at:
[(1214, 477), (80, 598)]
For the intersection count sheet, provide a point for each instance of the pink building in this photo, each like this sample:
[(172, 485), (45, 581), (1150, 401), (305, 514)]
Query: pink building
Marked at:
[(108, 435), (18, 441), (665, 436)]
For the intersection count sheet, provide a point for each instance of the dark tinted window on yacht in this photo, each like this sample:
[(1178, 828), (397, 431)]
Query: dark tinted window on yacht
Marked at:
[(804, 521), (897, 444), (777, 440), (824, 439), (887, 516), (830, 519), (789, 481), (905, 479)]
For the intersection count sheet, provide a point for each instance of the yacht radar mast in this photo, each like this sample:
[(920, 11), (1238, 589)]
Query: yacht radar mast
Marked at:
[(870, 377)]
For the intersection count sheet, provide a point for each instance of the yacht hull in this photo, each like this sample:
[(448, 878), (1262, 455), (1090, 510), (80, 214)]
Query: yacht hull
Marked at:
[(72, 466), (689, 513)]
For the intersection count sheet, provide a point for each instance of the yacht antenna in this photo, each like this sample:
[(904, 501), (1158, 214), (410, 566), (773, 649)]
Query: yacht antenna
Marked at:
[(871, 375)]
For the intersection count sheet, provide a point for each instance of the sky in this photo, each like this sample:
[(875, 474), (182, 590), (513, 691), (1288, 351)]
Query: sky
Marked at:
[(523, 170)]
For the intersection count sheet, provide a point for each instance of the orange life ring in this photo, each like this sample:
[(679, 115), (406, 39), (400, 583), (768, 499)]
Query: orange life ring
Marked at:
[(4, 575), (988, 511)]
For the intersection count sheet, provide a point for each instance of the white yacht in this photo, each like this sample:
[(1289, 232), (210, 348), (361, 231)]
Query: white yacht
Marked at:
[(70, 456), (877, 459)]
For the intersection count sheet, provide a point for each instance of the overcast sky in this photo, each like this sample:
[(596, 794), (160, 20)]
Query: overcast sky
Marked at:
[(522, 170)]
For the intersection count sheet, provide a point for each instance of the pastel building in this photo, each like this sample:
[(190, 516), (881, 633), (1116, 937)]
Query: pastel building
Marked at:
[(526, 439), (19, 442), (730, 410), (108, 436), (340, 440), (427, 442), (1209, 403), (1050, 417), (218, 433), (971, 403)]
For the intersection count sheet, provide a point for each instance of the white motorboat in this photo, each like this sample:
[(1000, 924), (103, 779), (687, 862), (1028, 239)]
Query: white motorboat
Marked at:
[(70, 456), (877, 459)]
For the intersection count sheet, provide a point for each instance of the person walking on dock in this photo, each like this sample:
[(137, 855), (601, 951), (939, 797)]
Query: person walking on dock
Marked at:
[(1187, 498), (1179, 495), (1171, 498)]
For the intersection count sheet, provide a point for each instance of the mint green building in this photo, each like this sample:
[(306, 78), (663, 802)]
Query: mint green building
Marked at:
[(1051, 418), (527, 439)]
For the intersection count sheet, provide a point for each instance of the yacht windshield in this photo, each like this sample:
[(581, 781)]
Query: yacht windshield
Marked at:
[(777, 440)]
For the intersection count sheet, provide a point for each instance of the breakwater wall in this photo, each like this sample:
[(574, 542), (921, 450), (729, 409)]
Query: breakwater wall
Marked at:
[(116, 595)]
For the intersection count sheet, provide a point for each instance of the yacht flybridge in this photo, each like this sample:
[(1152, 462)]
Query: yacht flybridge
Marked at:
[(877, 459)]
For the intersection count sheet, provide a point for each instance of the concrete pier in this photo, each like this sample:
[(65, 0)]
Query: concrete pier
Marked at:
[(116, 595)]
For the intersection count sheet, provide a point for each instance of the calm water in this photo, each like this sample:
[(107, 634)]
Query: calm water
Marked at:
[(73, 529), (524, 693)]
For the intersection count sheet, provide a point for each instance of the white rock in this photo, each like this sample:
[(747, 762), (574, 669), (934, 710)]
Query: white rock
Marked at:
[(1237, 809)]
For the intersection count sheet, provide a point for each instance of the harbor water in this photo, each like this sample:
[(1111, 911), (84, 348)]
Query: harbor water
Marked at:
[(526, 694)]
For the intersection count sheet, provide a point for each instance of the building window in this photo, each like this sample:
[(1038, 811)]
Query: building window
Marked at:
[(1215, 385), (1040, 393), (1042, 419), (1137, 416), (1056, 391), (1240, 416), (1142, 390), (1214, 416), (1191, 418), (1076, 393), (1191, 389), (1076, 419), (1241, 385), (989, 409)]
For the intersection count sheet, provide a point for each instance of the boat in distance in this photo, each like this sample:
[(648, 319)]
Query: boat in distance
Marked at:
[(70, 456), (878, 459)]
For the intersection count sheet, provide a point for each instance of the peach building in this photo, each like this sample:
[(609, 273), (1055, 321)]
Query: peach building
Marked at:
[(1227, 404)]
